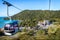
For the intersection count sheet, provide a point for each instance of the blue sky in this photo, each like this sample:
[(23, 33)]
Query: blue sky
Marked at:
[(28, 4)]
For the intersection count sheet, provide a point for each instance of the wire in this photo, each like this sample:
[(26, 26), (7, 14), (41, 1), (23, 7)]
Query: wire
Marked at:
[(9, 4), (16, 7)]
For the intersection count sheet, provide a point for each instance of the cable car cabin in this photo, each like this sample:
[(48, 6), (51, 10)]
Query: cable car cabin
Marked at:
[(11, 27)]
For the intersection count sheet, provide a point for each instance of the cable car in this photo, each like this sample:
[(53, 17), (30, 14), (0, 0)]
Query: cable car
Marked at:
[(11, 27)]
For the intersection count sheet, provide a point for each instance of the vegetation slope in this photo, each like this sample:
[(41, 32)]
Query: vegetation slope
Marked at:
[(31, 17)]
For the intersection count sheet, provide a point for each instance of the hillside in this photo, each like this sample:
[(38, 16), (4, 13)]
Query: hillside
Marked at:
[(37, 14), (31, 17)]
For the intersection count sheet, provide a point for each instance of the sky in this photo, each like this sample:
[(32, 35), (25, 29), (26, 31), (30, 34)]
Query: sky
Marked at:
[(28, 5)]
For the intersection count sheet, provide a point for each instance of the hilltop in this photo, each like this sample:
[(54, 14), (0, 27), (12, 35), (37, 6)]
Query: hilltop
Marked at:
[(37, 14)]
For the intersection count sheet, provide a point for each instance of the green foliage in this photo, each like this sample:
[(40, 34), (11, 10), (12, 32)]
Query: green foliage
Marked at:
[(31, 33), (40, 35), (5, 38), (24, 30), (40, 32), (26, 37), (31, 17), (57, 37), (37, 14)]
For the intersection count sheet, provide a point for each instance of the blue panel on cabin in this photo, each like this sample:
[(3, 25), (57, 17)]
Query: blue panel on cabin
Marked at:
[(3, 22)]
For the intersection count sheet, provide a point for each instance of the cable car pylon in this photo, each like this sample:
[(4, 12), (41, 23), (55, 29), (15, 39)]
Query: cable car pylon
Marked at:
[(8, 5)]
